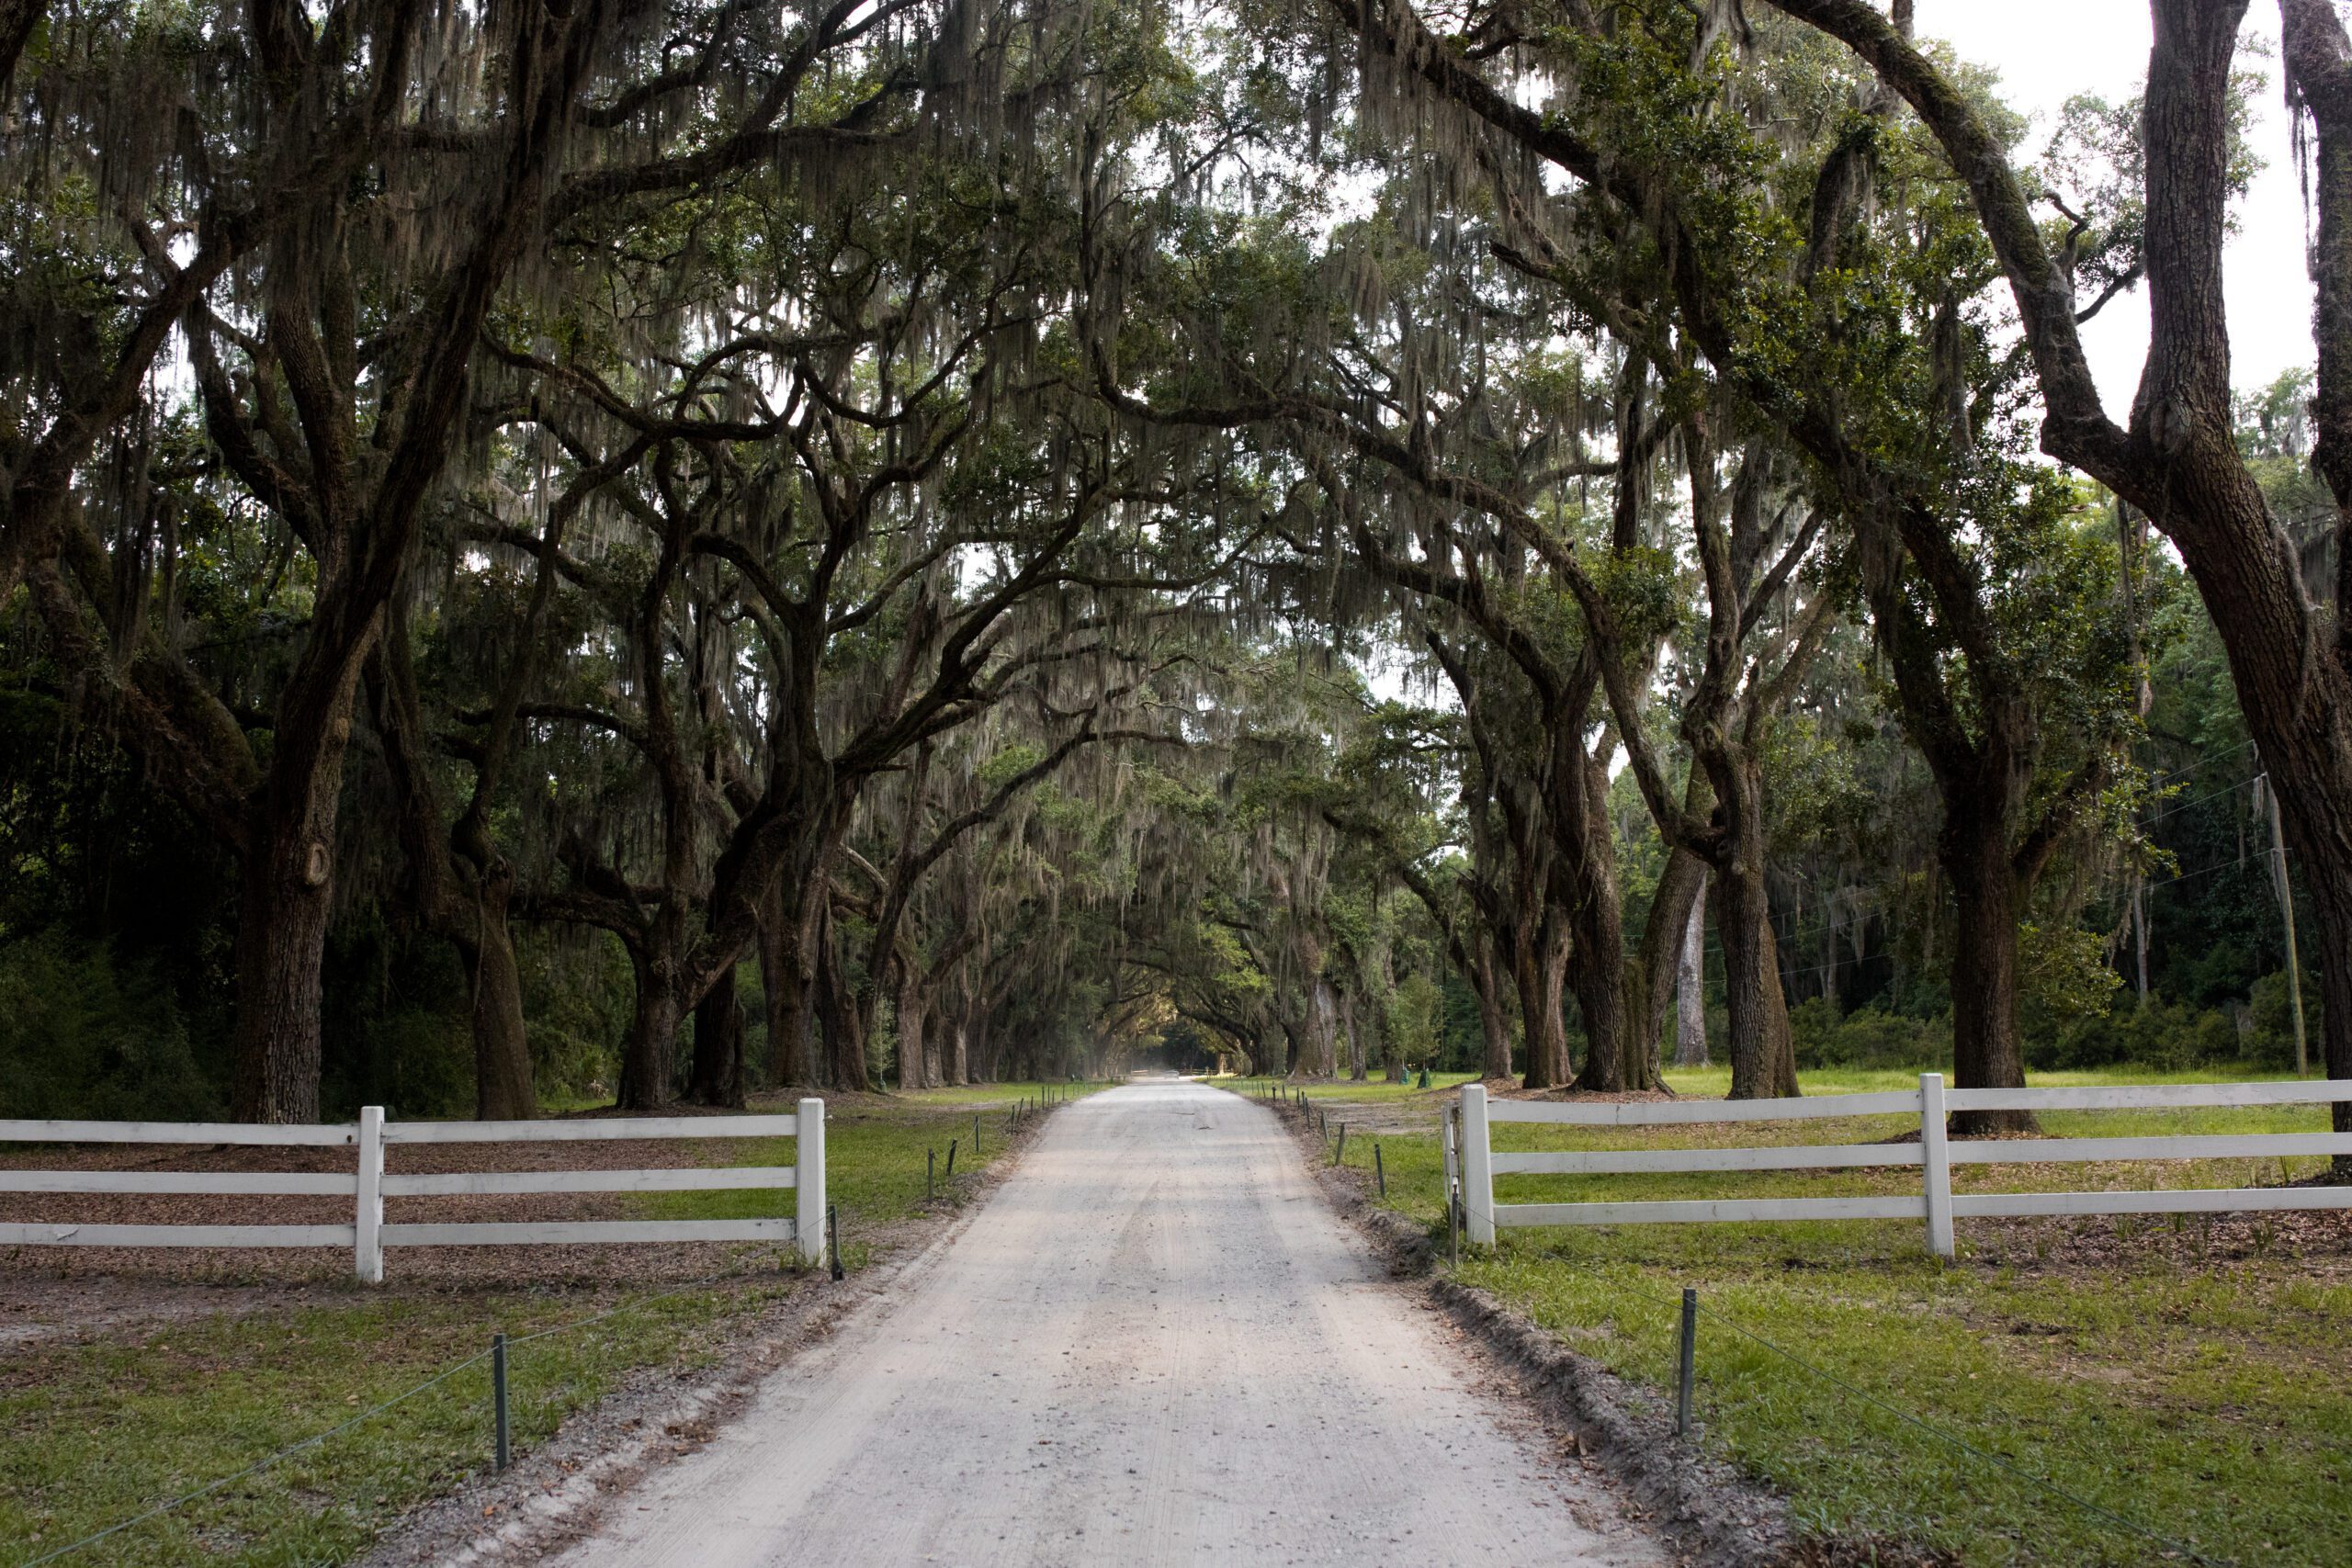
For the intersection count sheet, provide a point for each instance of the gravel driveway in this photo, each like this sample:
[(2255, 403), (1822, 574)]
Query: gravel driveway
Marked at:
[(1155, 1343)]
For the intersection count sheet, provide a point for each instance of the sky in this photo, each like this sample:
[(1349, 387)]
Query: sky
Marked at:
[(2047, 50)]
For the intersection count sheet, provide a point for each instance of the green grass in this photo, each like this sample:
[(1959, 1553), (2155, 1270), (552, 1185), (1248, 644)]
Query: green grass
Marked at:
[(96, 1433), (874, 1155), (2210, 1401)]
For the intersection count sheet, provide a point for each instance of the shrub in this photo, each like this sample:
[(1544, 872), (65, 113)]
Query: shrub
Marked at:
[(82, 1036), (1867, 1037)]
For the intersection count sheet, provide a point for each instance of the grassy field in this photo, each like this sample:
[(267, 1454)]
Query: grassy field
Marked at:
[(98, 1431), (2193, 1378)]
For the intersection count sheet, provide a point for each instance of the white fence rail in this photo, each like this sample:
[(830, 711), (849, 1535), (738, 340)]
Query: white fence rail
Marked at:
[(368, 1184), (1934, 1154)]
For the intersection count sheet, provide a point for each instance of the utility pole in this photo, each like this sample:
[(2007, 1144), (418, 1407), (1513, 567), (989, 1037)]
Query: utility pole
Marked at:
[(2287, 914)]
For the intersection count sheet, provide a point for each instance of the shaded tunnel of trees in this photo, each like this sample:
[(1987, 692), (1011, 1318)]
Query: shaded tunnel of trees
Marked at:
[(653, 549)]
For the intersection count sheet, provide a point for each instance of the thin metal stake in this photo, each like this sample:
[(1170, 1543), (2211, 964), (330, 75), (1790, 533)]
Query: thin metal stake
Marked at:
[(834, 1229), (975, 1135), (930, 1173), (1340, 1155), (1689, 1354), (951, 1159), (1379, 1169), (1454, 1224), (498, 1392)]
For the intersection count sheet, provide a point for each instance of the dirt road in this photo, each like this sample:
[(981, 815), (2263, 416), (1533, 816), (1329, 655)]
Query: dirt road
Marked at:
[(1155, 1344)]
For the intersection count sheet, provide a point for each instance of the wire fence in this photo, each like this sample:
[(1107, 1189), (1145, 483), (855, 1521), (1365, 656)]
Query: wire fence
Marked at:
[(1659, 1368), (1953, 1440), (1019, 1117)]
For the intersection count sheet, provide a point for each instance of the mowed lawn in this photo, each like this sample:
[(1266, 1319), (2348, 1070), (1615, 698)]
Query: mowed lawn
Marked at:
[(97, 1430), (2191, 1378)]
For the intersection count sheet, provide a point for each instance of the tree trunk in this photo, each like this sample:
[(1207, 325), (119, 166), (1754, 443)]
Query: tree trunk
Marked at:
[(649, 1056), (1318, 1053), (837, 1017), (914, 1062), (1493, 1024), (1985, 1049), (2332, 903), (717, 1071), (1586, 863), (786, 992), (1355, 1039), (959, 1061), (504, 1090), (982, 1054), (1651, 973), (286, 896), (1763, 1060), (1691, 987), (1540, 967)]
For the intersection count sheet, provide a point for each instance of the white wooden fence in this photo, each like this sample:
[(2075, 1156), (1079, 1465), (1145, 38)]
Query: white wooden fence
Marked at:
[(368, 1184), (1934, 1154)]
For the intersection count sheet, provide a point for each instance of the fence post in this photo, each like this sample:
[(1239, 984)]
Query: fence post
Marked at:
[(1686, 1362), (1452, 1165), (498, 1392), (808, 1182), (1935, 1157), (1477, 1166), (1379, 1171), (1340, 1155), (369, 1249)]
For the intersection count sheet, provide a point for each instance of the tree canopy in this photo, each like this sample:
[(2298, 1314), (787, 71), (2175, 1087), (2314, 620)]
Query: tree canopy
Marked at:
[(659, 547)]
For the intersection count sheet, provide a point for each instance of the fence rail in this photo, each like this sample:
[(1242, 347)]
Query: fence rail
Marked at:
[(1937, 1204), (368, 1184)]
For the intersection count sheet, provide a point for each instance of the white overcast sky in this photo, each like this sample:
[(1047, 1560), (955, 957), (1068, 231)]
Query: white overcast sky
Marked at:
[(2047, 50)]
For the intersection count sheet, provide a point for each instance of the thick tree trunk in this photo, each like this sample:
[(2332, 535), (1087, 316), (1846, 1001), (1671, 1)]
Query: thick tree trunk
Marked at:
[(649, 1056), (285, 896), (915, 1065), (1691, 987), (1318, 1050), (1355, 1039), (2332, 903), (1586, 864), (837, 1018), (1763, 1058), (1540, 967), (504, 1090), (1494, 1021), (958, 1059), (286, 901), (1986, 1052), (1596, 969), (785, 988), (1651, 973), (717, 1075)]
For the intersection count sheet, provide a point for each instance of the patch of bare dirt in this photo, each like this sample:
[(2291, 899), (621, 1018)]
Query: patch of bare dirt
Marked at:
[(2316, 1243)]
